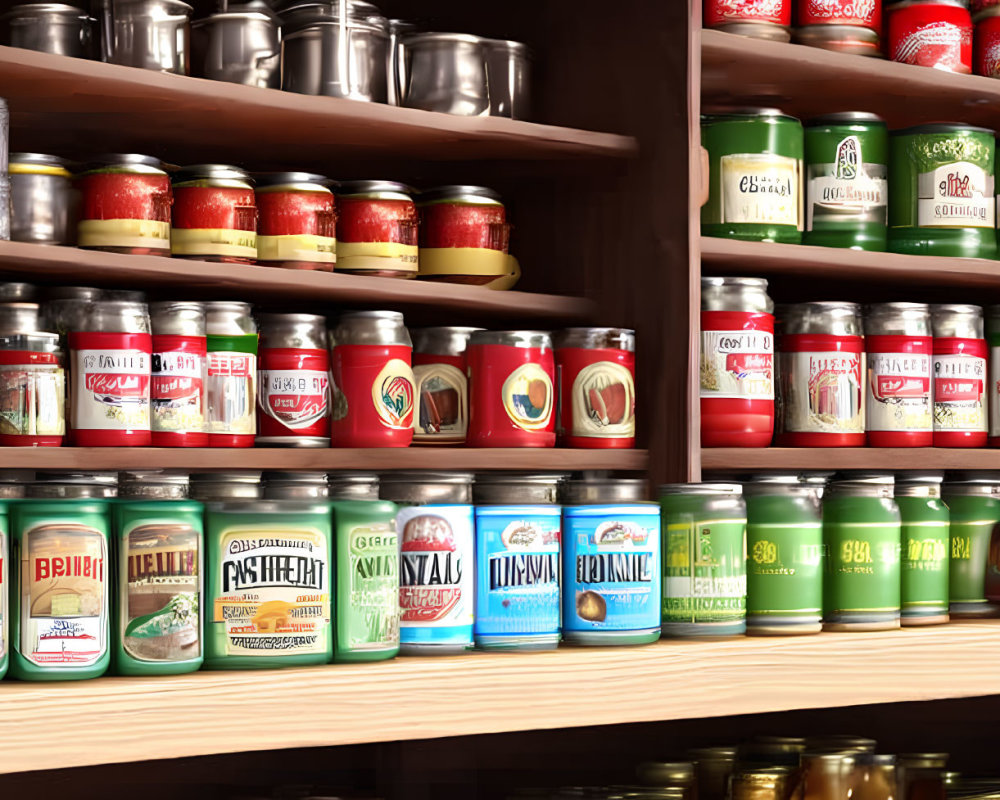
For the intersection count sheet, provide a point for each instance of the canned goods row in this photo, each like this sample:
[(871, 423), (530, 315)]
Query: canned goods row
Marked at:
[(139, 572), (886, 375), (845, 181), (136, 204)]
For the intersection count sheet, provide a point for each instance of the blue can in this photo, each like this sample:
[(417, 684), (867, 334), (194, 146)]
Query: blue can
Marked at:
[(611, 563)]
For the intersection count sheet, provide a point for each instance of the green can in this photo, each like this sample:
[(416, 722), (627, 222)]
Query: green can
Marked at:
[(941, 196), (755, 175), (924, 586), (784, 555), (704, 559), (862, 532), (269, 584), (974, 502), (846, 180)]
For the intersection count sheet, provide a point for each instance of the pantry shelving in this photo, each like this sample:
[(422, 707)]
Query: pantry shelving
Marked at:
[(737, 459)]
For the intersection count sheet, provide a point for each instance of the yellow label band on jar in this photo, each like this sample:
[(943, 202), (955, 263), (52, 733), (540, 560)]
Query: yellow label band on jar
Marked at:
[(377, 256), (38, 169), (297, 247), (213, 242), (462, 261), (124, 233)]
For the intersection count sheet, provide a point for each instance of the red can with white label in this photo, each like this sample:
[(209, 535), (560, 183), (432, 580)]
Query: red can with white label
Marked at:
[(931, 33), (373, 392), (511, 395), (763, 19), (293, 384), (177, 394), (960, 416), (112, 357), (231, 377), (858, 13), (987, 43), (595, 379), (899, 402), (736, 363), (821, 365)]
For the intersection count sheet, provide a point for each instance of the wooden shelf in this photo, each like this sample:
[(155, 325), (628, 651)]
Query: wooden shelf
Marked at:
[(808, 81), (136, 719), (838, 458)]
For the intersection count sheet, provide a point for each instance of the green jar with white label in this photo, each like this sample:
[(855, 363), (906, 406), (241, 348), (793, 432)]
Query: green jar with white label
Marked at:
[(755, 175), (925, 520), (974, 501)]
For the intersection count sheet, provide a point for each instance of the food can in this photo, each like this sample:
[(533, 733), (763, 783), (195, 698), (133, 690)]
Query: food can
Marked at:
[(32, 390), (230, 385), (713, 767), (373, 390), (847, 188), (439, 370), (210, 487), (377, 229), (296, 486), (293, 385), (42, 200), (755, 175), (821, 364), (215, 215), (595, 380), (831, 13), (941, 195), (850, 39), (125, 203), (898, 399), (611, 562), (296, 222), (761, 19), (924, 586), (511, 398), (18, 317), (269, 584), (862, 533), (784, 554), (931, 33), (736, 363), (517, 561), (111, 355), (993, 373), (974, 502), (704, 559), (960, 406), (353, 485), (986, 40), (436, 527), (180, 357), (761, 783)]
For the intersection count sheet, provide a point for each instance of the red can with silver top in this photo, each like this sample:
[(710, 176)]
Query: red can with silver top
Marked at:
[(960, 353), (112, 356), (230, 384), (373, 392), (595, 376), (293, 386), (931, 33), (442, 388), (177, 393), (760, 19), (511, 394)]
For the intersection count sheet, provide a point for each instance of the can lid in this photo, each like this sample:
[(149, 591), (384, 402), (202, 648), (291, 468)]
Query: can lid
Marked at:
[(942, 127), (162, 306), (733, 489), (516, 488), (143, 163), (153, 484), (846, 117), (39, 163), (404, 476), (353, 485), (882, 308), (480, 194), (598, 491), (266, 180), (513, 338), (754, 283), (957, 308), (48, 9), (748, 112), (596, 338), (426, 487), (84, 293), (215, 172), (348, 188), (248, 11), (17, 292)]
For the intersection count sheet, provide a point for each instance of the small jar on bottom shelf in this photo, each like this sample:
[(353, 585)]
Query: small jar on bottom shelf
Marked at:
[(925, 548), (960, 403), (215, 215), (973, 500)]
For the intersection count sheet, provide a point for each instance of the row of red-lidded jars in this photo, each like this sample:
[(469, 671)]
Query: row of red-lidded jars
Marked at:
[(851, 25)]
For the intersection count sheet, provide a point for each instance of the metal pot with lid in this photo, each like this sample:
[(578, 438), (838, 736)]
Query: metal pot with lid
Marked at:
[(445, 72), (149, 34), (239, 45), (56, 28)]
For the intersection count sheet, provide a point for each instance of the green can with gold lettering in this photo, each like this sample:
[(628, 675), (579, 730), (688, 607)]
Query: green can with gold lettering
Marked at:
[(974, 501), (924, 568)]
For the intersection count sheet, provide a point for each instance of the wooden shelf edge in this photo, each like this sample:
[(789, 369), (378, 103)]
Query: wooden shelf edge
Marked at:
[(836, 458), (154, 718)]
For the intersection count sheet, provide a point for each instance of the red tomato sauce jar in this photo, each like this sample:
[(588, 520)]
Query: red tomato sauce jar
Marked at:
[(595, 376), (215, 216), (960, 355), (125, 202), (511, 395), (373, 393), (987, 42), (736, 363), (442, 389), (296, 221), (931, 33), (377, 229), (761, 19)]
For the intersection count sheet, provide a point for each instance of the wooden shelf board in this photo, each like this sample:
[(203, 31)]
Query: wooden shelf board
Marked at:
[(133, 719), (838, 458), (808, 81)]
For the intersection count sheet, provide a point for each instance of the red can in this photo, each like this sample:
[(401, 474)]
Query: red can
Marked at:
[(373, 392), (960, 354), (858, 13), (931, 33), (988, 43), (511, 396), (442, 389), (293, 401), (215, 215), (297, 221), (765, 19), (177, 393), (981, 5), (595, 376), (464, 235), (377, 229)]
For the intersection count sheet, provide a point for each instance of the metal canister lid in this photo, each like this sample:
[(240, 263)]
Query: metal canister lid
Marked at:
[(846, 36), (826, 317), (216, 174), (470, 195), (116, 316), (153, 484), (353, 485), (596, 338), (426, 487), (918, 484), (383, 190), (220, 486), (897, 319), (127, 162), (293, 330), (728, 489), (516, 489), (228, 318), (735, 294), (441, 37), (251, 11), (73, 485), (957, 320), (665, 773), (177, 318), (862, 485), (359, 14), (17, 292), (540, 339), (296, 181), (295, 486), (599, 491), (441, 341), (846, 117), (40, 163), (18, 318), (941, 127), (371, 327)]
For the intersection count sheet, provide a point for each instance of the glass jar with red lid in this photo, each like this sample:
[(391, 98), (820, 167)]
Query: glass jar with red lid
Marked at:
[(215, 214), (125, 201), (296, 221), (377, 229)]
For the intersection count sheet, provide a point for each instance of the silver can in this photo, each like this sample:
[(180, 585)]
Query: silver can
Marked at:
[(179, 365), (296, 486), (149, 34), (736, 294), (17, 293), (353, 485), (33, 403), (960, 376), (42, 200), (441, 384), (508, 69), (18, 318), (446, 72), (240, 45), (371, 327), (73, 485), (230, 385), (154, 484), (66, 307), (209, 487), (56, 28)]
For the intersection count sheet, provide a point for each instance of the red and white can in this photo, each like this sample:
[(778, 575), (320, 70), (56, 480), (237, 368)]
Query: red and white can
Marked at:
[(931, 33), (231, 377), (859, 13), (595, 380), (293, 385), (373, 392), (960, 353), (178, 386), (511, 394), (442, 388), (112, 362), (762, 19), (899, 403), (987, 38)]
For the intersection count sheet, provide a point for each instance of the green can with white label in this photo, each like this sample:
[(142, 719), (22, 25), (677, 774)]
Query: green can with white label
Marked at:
[(925, 520), (784, 555), (974, 502), (704, 559), (862, 531)]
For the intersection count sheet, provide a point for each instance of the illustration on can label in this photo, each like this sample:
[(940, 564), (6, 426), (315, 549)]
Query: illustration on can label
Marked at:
[(704, 571), (737, 364), (958, 195), (824, 392), (848, 190), (938, 43), (32, 400), (111, 390), (604, 401), (959, 384), (296, 398), (230, 393), (374, 585), (177, 393), (899, 392), (392, 394), (444, 401), (527, 397), (761, 189)]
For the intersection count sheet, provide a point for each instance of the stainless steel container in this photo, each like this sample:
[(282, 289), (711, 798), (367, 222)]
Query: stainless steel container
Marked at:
[(156, 484), (398, 28), (508, 69), (150, 34), (56, 28), (353, 485), (322, 54), (42, 200), (221, 486), (295, 486), (18, 318), (240, 45), (957, 321), (736, 294), (445, 72)]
